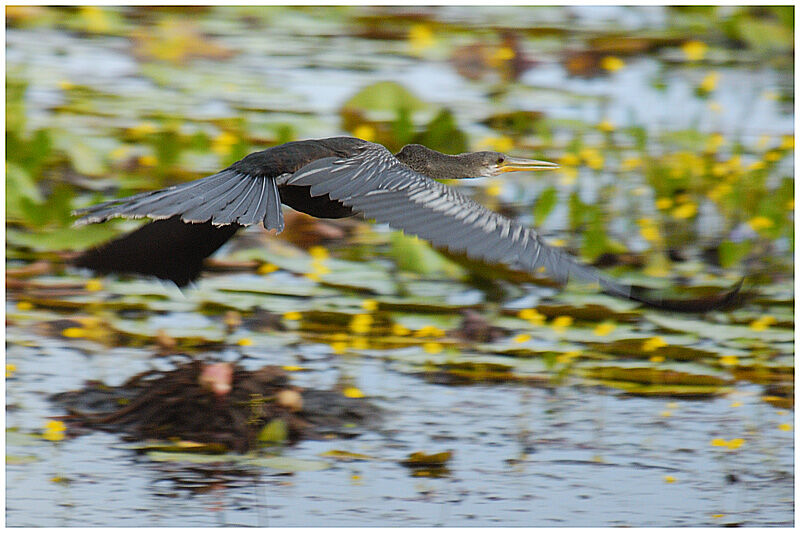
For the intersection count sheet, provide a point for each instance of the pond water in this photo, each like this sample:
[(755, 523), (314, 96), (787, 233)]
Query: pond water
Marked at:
[(572, 434)]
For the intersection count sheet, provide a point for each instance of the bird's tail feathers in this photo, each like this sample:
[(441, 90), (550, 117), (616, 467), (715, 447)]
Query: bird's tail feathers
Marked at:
[(652, 298)]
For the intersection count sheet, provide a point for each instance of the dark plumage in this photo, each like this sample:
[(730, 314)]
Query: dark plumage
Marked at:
[(333, 178)]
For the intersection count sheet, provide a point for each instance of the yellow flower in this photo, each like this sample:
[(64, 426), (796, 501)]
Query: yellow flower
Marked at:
[(612, 63), (429, 331), (606, 126), (142, 129), (432, 347), (96, 20), (365, 131), (222, 143), (500, 144), (359, 343), (664, 203), (502, 54), (652, 344), (762, 323), (318, 252), (735, 443), (650, 233), (148, 160), (785, 427), (757, 165), (267, 268), (630, 163), (567, 175), (787, 142), (687, 210), (562, 322), (593, 158), (292, 315), (94, 285), (361, 323), (567, 357), (715, 140), (729, 360), (293, 368), (245, 341), (772, 156), (721, 443), (54, 430), (709, 83), (11, 368), (24, 306), (736, 404), (522, 338), (420, 37), (760, 222), (369, 305), (74, 333), (353, 392), (569, 160), (604, 329), (120, 152), (694, 50), (338, 347), (533, 316), (656, 358), (723, 189), (319, 268), (494, 188), (65, 85), (400, 330), (666, 414), (669, 479)]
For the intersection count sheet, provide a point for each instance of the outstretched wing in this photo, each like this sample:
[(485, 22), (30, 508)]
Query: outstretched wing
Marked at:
[(228, 197), (376, 184)]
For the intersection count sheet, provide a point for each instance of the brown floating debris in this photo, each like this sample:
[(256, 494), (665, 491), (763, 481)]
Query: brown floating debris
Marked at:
[(214, 403)]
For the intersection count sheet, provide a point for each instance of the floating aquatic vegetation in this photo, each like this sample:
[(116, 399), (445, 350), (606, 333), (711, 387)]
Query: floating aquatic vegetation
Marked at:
[(222, 406)]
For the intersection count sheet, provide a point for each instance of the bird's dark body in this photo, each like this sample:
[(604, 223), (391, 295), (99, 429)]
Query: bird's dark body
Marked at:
[(289, 158), (334, 178)]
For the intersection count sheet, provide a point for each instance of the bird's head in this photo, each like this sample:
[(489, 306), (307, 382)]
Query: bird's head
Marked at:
[(470, 165), (496, 163)]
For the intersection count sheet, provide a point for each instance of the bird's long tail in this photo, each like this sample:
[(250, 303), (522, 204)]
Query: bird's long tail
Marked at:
[(169, 249), (228, 197), (652, 297)]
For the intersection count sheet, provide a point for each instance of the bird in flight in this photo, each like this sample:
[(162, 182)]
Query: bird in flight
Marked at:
[(339, 177)]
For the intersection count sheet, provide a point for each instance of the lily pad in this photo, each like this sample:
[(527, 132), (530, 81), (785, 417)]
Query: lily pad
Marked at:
[(278, 463)]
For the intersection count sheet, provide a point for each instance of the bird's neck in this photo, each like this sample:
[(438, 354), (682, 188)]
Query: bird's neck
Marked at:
[(436, 164)]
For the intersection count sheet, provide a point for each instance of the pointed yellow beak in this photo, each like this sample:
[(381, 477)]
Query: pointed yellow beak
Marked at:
[(513, 164)]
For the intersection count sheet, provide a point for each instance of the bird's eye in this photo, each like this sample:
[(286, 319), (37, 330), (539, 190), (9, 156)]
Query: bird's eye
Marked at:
[(501, 159)]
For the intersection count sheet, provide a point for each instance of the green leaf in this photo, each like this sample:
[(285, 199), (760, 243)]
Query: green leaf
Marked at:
[(730, 253), (386, 96), (275, 431), (442, 134), (545, 204), (415, 255)]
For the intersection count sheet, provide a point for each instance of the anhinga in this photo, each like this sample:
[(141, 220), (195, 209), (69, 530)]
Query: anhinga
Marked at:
[(334, 178)]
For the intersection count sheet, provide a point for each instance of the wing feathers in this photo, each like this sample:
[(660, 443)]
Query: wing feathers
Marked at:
[(228, 197)]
